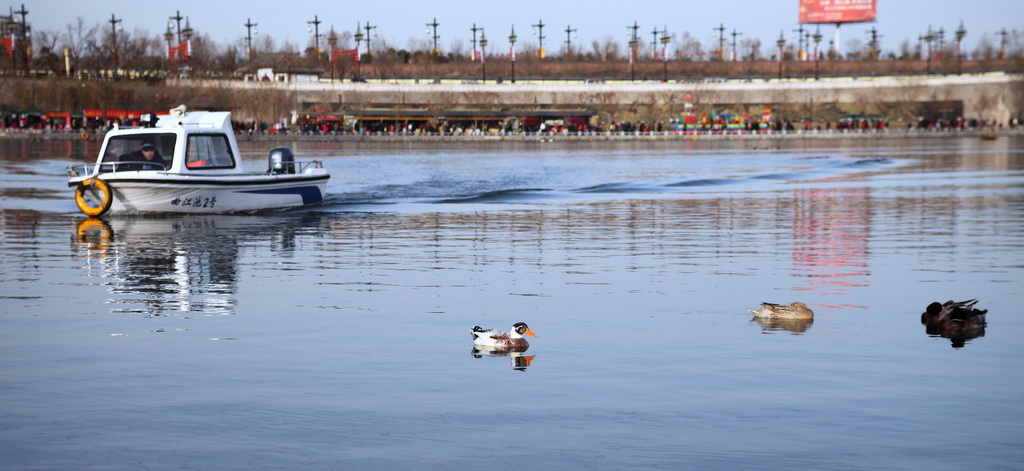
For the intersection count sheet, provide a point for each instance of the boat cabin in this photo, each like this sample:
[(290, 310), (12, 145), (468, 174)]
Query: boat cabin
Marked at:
[(196, 142), (189, 162)]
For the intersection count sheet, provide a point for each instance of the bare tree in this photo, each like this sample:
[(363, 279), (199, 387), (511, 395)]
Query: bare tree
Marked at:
[(344, 39), (46, 50), (907, 51), (79, 39), (688, 48), (527, 51), (418, 44), (1015, 44), (607, 49), (265, 43), (985, 50), (751, 49), (855, 49), (457, 49), (204, 52), (289, 47)]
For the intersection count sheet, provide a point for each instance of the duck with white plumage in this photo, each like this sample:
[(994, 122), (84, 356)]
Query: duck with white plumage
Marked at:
[(499, 340)]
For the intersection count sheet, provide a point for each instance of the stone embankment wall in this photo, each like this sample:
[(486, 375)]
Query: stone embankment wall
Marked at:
[(990, 97), (901, 100)]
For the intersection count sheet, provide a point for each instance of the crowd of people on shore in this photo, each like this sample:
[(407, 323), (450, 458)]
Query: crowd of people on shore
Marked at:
[(576, 127), (625, 127)]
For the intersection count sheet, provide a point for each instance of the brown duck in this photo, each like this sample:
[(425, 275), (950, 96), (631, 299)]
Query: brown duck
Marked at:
[(796, 310)]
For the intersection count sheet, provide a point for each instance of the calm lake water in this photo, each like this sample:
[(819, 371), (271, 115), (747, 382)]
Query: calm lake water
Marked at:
[(338, 337)]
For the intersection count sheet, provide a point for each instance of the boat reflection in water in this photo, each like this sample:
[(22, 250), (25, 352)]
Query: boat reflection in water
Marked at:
[(519, 361), (769, 325), (162, 266)]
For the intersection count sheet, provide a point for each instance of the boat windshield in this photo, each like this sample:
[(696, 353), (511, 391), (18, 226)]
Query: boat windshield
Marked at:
[(129, 148)]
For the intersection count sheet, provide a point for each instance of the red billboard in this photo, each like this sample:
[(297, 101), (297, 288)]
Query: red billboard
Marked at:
[(837, 11)]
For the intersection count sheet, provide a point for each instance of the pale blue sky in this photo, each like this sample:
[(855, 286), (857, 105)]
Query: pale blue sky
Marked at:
[(402, 22)]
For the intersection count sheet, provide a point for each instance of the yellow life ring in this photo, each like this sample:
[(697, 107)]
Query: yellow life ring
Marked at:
[(85, 136), (104, 191)]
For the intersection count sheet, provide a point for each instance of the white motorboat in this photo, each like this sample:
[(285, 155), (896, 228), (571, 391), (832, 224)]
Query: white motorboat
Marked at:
[(188, 162)]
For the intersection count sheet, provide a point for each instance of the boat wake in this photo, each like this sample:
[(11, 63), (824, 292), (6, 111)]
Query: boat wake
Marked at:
[(381, 197), (502, 196)]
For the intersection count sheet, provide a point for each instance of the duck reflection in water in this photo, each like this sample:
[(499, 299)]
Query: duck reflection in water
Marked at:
[(957, 321), (495, 343), (769, 325), (519, 361)]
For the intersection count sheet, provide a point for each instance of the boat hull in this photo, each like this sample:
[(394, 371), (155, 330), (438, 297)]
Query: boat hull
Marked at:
[(167, 193)]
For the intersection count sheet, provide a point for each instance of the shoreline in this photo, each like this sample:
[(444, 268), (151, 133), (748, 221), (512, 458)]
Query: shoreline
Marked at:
[(553, 137)]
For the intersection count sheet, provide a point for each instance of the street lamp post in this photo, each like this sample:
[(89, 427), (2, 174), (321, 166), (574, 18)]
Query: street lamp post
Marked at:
[(634, 43), (315, 29), (721, 41), (873, 43), (568, 39), (368, 28), (359, 38), (781, 43), (807, 41), (1002, 42), (474, 29), (654, 43), (799, 42), (735, 55), (359, 34), (332, 43), (186, 35), (24, 34), (113, 32), (540, 37), (929, 38), (434, 25), (664, 50), (960, 33), (177, 18), (169, 37), (817, 57), (483, 56), (512, 51), (249, 26)]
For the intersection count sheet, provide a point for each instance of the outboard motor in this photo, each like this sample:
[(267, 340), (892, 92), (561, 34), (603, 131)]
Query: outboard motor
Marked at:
[(281, 160)]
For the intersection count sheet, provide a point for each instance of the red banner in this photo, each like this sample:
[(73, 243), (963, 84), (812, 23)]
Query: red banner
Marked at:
[(110, 114), (179, 53), (837, 11), (9, 44), (352, 53)]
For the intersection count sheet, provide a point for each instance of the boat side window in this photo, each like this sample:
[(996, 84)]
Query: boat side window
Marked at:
[(206, 151)]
